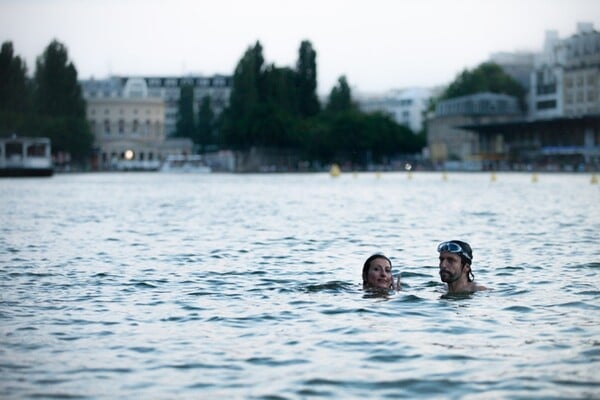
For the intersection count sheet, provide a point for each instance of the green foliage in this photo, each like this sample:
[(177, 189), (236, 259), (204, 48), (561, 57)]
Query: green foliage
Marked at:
[(306, 80), (57, 91), (205, 135), (487, 77), (279, 89), (278, 108), (185, 125), (15, 93), (51, 105), (246, 95), (340, 98), (59, 103)]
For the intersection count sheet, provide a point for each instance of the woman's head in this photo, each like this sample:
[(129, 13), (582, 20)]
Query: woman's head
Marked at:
[(377, 272)]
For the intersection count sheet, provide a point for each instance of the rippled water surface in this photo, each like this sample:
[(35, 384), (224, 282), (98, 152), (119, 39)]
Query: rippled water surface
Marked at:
[(248, 286)]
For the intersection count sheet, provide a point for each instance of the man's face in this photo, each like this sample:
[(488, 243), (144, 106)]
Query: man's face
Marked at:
[(450, 267)]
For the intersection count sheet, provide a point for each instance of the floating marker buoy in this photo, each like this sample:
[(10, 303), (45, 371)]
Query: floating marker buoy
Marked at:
[(444, 176), (335, 170), (534, 178), (377, 175), (594, 180), (493, 178)]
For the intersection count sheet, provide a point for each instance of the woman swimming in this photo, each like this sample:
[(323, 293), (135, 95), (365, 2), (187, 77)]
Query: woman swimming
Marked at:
[(377, 273)]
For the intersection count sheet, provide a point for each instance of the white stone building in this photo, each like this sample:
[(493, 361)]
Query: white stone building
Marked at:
[(133, 118), (566, 78), (217, 87), (127, 131), (405, 106)]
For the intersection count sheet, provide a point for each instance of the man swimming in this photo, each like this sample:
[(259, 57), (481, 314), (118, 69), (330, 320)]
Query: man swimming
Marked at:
[(455, 267)]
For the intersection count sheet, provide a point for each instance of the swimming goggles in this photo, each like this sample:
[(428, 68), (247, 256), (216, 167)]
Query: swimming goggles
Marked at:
[(452, 247)]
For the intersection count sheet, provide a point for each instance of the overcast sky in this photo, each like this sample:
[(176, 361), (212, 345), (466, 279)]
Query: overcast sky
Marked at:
[(377, 44)]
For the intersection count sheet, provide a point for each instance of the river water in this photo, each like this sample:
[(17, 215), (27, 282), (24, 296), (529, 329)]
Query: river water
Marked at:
[(149, 285)]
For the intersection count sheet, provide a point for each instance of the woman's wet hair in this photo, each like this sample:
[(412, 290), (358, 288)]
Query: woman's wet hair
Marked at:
[(367, 264)]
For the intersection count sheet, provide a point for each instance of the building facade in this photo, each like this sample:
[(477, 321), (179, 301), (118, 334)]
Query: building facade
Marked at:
[(581, 76), (405, 106), (127, 130), (217, 87), (566, 79), (561, 129), (549, 144), (134, 118), (452, 146), (518, 65)]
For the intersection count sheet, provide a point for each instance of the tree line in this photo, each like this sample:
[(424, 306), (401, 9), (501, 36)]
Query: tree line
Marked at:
[(271, 107), (50, 104), (278, 108)]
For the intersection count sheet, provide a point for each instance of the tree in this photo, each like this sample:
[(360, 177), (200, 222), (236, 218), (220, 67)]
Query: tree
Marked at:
[(57, 92), (487, 77), (246, 93), (206, 123), (340, 98), (14, 91), (279, 88), (15, 94), (59, 103), (185, 125), (306, 70)]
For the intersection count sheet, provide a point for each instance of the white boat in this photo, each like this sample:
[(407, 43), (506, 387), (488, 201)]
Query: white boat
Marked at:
[(25, 156), (185, 163)]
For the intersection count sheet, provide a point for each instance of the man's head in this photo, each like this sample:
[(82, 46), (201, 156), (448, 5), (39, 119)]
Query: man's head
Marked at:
[(455, 260)]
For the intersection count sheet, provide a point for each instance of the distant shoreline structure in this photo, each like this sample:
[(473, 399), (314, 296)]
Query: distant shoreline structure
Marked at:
[(25, 156)]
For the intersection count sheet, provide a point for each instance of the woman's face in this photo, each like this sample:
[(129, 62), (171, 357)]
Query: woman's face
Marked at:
[(380, 273)]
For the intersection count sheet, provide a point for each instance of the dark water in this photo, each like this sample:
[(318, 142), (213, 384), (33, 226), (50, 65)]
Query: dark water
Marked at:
[(247, 286)]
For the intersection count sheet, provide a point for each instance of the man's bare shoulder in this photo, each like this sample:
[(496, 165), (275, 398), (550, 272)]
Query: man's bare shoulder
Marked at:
[(475, 287)]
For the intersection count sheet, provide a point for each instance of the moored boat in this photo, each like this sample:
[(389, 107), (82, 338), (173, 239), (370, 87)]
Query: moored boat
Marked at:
[(193, 163), (25, 156)]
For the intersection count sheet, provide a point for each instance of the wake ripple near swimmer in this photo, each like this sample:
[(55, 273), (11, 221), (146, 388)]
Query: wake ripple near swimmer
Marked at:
[(328, 287)]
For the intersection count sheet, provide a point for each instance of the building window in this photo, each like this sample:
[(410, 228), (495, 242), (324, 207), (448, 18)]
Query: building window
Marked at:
[(121, 126), (107, 127), (546, 104), (569, 82), (569, 98), (546, 89), (135, 126)]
